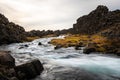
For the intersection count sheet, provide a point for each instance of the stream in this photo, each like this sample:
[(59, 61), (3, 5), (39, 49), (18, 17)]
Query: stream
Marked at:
[(66, 63)]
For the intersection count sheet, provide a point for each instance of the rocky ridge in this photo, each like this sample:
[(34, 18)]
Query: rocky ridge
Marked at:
[(98, 20), (10, 32)]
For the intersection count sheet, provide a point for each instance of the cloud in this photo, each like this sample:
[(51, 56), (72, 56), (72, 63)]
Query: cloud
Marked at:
[(50, 14)]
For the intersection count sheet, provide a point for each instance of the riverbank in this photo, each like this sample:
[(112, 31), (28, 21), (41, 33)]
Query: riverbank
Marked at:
[(92, 43)]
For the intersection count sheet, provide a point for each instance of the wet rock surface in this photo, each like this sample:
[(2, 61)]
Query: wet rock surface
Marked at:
[(39, 43), (58, 47), (8, 70), (6, 59), (29, 70)]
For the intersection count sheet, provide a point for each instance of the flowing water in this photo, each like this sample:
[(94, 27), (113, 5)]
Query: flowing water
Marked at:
[(66, 63)]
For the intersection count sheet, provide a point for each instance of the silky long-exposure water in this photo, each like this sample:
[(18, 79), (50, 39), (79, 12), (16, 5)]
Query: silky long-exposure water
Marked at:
[(66, 63)]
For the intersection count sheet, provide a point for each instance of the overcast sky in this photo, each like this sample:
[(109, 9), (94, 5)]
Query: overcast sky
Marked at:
[(50, 14)]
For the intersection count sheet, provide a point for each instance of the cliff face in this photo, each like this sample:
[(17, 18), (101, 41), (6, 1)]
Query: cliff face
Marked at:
[(10, 32), (98, 20), (112, 32)]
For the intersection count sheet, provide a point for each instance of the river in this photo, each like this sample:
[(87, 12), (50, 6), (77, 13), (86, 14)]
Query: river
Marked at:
[(66, 63)]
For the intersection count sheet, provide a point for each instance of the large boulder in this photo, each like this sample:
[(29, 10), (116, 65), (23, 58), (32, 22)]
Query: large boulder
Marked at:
[(29, 70), (7, 73), (2, 77), (91, 47), (6, 59)]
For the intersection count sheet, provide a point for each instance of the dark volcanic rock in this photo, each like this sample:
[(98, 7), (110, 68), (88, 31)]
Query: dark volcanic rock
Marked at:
[(29, 70), (78, 47), (113, 32), (39, 43), (39, 33), (91, 47), (58, 46), (118, 52), (96, 21), (6, 59), (3, 77), (10, 32), (26, 45), (88, 50)]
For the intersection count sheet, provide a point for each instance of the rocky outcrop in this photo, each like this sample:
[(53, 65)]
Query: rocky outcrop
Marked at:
[(6, 59), (29, 70), (7, 64), (39, 33), (8, 70), (98, 20), (91, 47), (10, 32), (113, 32)]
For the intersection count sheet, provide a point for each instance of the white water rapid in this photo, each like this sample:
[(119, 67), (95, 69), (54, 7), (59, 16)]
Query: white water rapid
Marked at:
[(66, 63)]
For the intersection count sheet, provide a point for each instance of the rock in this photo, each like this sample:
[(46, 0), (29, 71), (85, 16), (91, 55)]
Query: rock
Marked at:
[(6, 73), (38, 66), (29, 70), (91, 47), (26, 45), (39, 43), (38, 33), (14, 78), (6, 59), (2, 77), (100, 19), (118, 52), (49, 42), (58, 47), (10, 32), (88, 50), (81, 44), (11, 72), (21, 47), (77, 48)]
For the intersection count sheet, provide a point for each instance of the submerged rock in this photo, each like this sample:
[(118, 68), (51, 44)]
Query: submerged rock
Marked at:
[(58, 47), (39, 43), (77, 48), (29, 70), (26, 45), (23, 46)]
